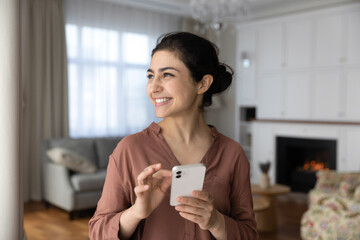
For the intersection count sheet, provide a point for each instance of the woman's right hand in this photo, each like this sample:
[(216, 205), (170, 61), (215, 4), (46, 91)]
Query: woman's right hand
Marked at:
[(153, 182)]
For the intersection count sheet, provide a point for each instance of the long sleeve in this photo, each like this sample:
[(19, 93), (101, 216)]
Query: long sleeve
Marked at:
[(241, 224), (105, 222)]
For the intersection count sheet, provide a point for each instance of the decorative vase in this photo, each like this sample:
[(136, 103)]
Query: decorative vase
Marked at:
[(264, 181)]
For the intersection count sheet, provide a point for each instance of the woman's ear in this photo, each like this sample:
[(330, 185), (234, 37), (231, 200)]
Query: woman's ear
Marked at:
[(205, 83)]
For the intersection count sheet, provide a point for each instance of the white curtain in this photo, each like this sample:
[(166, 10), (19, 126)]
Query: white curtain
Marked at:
[(109, 47), (44, 84)]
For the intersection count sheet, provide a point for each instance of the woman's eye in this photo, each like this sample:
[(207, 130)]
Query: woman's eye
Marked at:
[(168, 75), (149, 76)]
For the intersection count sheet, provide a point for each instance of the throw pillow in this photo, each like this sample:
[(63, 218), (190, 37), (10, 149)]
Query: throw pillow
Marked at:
[(71, 160), (327, 179), (348, 184)]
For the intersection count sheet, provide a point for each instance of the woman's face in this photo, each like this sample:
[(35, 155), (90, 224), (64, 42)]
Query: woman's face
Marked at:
[(171, 87)]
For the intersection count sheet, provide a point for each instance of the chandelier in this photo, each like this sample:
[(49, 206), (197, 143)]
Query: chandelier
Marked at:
[(215, 13)]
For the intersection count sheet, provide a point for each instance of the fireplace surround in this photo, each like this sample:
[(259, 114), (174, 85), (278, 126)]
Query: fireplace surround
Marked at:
[(298, 160)]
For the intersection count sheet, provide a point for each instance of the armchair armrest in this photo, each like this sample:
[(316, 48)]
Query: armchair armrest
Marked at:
[(57, 186)]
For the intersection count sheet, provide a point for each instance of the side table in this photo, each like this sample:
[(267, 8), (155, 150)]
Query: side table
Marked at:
[(267, 220)]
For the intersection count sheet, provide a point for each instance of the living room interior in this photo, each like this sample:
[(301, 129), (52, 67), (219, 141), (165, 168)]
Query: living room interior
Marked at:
[(293, 105)]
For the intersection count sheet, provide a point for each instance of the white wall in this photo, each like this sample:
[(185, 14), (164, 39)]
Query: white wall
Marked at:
[(223, 117)]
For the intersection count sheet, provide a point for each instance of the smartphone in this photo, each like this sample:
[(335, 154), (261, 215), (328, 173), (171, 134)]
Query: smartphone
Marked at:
[(185, 179)]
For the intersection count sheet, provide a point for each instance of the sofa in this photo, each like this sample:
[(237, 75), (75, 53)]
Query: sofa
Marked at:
[(79, 188), (334, 207)]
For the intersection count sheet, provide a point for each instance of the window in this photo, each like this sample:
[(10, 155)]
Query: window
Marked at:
[(107, 81), (109, 47)]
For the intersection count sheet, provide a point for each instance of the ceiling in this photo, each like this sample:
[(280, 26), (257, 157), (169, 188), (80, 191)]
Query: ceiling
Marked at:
[(256, 8)]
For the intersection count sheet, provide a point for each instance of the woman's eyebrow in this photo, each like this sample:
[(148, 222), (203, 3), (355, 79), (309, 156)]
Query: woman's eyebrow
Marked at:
[(163, 69)]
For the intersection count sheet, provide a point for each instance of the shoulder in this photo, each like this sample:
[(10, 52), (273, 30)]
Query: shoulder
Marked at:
[(232, 151), (229, 144), (140, 138), (135, 143)]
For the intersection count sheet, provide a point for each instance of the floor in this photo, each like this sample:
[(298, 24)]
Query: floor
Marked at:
[(41, 223)]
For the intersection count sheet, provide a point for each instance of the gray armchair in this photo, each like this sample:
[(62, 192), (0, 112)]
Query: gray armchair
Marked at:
[(73, 191)]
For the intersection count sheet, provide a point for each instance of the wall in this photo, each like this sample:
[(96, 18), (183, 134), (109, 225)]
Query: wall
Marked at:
[(306, 76), (223, 117)]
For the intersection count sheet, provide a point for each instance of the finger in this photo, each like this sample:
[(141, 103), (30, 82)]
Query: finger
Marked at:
[(148, 171), (164, 179), (162, 173), (191, 217), (141, 189), (205, 196), (191, 210), (191, 201)]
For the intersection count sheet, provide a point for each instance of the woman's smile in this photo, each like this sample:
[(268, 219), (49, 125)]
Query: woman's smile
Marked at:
[(161, 101)]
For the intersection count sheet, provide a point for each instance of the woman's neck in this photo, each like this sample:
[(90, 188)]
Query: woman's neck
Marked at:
[(185, 129)]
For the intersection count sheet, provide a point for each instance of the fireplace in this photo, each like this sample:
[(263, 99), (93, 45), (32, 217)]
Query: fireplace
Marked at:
[(298, 160)]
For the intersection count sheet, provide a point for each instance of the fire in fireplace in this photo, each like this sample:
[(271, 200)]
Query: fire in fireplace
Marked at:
[(298, 160)]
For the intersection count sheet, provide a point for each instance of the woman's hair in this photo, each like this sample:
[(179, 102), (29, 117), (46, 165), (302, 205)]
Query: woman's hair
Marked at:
[(200, 56)]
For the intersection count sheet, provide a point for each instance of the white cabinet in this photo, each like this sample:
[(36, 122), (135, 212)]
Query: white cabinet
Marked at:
[(246, 47), (271, 47), (353, 95), (270, 96), (326, 95), (298, 44), (329, 40), (305, 67), (353, 38), (298, 95), (352, 150)]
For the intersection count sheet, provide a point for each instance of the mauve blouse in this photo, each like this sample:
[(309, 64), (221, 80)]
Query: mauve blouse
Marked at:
[(227, 180)]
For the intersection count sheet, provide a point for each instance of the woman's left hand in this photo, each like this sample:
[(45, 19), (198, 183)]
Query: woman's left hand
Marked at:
[(200, 209)]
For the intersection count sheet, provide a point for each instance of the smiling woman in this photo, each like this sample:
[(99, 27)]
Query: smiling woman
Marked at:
[(183, 75)]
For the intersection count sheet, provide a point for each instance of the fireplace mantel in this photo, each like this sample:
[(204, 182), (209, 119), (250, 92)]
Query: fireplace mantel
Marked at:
[(308, 122)]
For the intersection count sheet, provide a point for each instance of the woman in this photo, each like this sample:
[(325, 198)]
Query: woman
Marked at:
[(184, 74)]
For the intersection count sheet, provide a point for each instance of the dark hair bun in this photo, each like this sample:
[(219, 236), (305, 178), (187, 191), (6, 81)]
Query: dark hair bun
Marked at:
[(225, 74)]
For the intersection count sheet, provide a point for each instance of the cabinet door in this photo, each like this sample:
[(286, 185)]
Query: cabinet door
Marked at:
[(298, 47), (352, 149), (329, 34), (271, 96), (298, 95), (271, 47), (353, 95), (327, 95), (353, 38), (246, 81)]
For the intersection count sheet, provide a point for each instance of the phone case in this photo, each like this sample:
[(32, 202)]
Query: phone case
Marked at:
[(185, 179)]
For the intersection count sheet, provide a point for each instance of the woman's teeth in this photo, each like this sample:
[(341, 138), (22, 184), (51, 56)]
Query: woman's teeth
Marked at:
[(160, 100)]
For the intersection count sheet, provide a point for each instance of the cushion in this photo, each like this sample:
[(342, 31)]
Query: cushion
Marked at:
[(71, 160), (81, 146), (88, 182), (348, 184), (327, 178), (104, 147)]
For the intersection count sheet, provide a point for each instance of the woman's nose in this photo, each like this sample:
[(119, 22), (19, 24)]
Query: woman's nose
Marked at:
[(155, 85)]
